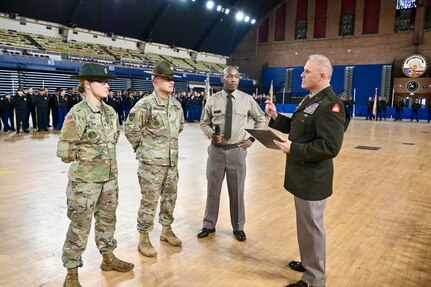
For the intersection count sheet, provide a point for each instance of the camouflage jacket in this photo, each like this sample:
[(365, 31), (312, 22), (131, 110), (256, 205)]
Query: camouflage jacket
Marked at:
[(153, 127), (88, 139)]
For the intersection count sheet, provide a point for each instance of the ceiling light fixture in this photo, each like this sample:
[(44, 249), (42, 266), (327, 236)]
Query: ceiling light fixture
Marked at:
[(239, 16), (210, 5)]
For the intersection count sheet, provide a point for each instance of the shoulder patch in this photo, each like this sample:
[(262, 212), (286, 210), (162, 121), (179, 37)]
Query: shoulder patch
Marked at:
[(68, 120), (336, 108)]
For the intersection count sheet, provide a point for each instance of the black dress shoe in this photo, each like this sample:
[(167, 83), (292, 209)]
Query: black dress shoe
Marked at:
[(204, 232), (300, 283), (297, 266), (240, 235)]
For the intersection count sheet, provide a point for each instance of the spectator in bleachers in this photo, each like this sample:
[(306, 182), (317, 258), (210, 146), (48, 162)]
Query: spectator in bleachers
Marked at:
[(62, 107), (41, 102), (19, 101), (31, 111), (8, 117)]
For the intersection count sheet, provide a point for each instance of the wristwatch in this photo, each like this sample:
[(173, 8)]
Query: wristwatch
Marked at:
[(252, 139)]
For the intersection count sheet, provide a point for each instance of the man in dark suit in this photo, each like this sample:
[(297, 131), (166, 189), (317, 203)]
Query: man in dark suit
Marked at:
[(41, 102), (415, 110), (316, 131), (20, 104), (399, 105)]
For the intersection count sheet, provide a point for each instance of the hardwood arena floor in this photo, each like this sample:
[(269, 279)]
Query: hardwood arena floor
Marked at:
[(378, 221)]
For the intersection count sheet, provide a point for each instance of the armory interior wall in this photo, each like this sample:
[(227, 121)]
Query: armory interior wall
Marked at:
[(384, 47)]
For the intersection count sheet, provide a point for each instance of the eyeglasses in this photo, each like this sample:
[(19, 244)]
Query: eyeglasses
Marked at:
[(102, 82)]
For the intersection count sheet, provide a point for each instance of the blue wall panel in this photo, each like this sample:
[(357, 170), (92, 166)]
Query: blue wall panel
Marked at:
[(297, 80), (337, 79), (366, 78), (277, 74)]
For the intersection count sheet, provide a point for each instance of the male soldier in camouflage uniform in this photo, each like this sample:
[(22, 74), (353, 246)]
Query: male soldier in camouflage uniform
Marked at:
[(152, 128), (88, 139)]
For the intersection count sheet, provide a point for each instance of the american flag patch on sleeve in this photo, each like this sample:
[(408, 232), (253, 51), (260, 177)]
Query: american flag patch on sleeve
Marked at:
[(68, 120)]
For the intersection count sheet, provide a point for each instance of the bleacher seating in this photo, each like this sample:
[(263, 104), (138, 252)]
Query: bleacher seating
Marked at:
[(72, 48), (15, 39), (153, 58), (201, 66), (35, 45), (127, 55), (179, 63)]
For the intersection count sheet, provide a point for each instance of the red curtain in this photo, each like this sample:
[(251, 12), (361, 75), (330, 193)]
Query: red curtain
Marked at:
[(302, 10), (280, 23), (348, 7), (371, 16), (320, 19)]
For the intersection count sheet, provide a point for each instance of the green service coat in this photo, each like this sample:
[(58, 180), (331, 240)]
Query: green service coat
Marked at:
[(316, 130)]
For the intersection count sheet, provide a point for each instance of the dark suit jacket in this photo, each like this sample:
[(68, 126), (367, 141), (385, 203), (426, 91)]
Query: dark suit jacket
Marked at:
[(316, 130)]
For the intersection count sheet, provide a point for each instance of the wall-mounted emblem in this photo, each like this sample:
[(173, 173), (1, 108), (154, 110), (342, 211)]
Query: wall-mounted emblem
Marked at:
[(415, 66)]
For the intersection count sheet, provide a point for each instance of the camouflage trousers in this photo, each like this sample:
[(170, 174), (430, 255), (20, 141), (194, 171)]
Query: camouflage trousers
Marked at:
[(84, 200), (156, 182)]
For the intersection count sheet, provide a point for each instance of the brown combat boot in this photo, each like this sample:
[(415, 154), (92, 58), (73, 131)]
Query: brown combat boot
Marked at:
[(169, 236), (72, 278), (145, 246), (110, 262)]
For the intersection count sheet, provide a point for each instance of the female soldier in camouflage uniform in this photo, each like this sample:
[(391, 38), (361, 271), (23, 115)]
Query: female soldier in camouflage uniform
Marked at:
[(88, 139)]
